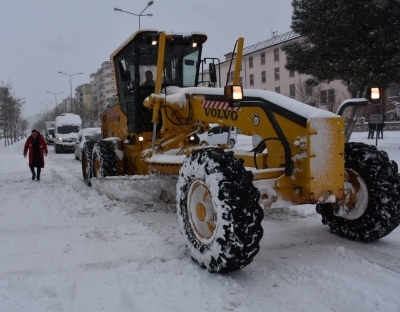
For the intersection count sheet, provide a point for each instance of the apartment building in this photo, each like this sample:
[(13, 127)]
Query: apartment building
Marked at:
[(65, 105), (103, 85), (263, 67), (83, 95)]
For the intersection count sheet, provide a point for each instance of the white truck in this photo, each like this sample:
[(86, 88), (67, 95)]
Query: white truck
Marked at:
[(49, 132), (66, 128)]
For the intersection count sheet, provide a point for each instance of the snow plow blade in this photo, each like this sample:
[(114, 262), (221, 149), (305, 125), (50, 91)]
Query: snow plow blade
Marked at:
[(138, 189)]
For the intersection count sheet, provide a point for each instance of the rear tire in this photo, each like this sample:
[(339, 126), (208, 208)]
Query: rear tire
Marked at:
[(380, 182), (218, 210), (104, 160), (87, 165)]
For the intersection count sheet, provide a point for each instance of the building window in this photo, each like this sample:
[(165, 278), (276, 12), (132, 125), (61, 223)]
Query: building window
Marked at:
[(263, 58), (263, 77), (278, 89), (323, 96), (331, 96), (240, 81), (291, 73), (252, 80), (232, 74), (292, 90), (276, 55), (277, 74), (250, 62)]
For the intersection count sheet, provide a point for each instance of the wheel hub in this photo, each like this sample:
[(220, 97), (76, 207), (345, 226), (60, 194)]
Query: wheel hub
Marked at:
[(202, 214), (355, 201)]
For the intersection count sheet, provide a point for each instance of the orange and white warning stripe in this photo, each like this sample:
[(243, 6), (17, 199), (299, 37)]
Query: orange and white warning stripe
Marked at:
[(219, 105)]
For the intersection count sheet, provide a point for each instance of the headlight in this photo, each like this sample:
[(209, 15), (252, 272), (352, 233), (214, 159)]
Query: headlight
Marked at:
[(60, 139), (50, 136)]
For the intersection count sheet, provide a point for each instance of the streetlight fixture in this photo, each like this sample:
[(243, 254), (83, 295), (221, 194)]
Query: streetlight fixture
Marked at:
[(70, 85), (139, 15), (55, 99)]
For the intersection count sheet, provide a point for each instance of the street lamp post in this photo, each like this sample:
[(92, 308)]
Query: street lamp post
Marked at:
[(47, 113), (55, 100), (70, 85), (139, 15)]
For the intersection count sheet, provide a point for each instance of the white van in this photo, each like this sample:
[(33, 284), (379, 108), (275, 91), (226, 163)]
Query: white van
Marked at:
[(66, 129)]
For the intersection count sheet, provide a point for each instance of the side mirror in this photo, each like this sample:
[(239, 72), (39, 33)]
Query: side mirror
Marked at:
[(213, 73)]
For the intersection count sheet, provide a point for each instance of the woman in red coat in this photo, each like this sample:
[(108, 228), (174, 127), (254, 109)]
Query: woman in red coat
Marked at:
[(37, 147)]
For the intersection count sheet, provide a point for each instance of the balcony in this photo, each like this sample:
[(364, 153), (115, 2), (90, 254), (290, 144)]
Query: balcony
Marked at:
[(107, 80), (108, 71)]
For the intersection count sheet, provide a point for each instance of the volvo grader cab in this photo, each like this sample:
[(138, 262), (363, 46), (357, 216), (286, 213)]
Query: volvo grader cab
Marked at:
[(152, 129)]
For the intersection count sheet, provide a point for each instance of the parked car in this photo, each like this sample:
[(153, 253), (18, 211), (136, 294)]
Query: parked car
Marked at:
[(219, 135), (87, 134)]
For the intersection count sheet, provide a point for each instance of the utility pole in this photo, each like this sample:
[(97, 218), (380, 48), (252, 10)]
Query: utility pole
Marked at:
[(55, 100), (70, 85)]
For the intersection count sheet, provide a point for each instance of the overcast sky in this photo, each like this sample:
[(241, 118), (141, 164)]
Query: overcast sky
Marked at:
[(38, 38)]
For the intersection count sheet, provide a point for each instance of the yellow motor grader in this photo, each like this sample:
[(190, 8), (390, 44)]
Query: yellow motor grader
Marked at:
[(153, 126)]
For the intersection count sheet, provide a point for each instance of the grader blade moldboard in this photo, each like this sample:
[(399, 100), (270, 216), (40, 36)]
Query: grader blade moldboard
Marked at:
[(138, 189)]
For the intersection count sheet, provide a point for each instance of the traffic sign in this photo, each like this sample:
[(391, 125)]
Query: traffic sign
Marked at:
[(376, 119)]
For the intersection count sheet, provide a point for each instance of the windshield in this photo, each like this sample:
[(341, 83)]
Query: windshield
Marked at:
[(68, 129), (136, 70), (51, 131), (180, 64), (93, 137), (137, 63)]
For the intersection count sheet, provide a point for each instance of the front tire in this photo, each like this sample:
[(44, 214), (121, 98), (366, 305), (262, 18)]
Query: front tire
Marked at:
[(87, 165), (376, 210), (218, 211), (104, 160)]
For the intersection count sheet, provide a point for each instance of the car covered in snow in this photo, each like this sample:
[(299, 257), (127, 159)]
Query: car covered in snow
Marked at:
[(87, 134), (219, 135)]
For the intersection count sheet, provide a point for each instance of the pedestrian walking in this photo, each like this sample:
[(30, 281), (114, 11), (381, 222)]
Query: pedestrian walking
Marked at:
[(36, 146), (380, 130), (371, 128)]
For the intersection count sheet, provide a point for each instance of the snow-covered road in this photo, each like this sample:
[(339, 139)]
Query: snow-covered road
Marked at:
[(64, 247)]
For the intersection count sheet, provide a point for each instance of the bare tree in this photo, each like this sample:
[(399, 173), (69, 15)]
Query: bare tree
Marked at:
[(11, 109), (85, 112), (23, 125), (308, 92)]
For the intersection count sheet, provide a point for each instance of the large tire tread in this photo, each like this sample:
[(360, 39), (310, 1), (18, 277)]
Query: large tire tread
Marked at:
[(239, 238), (104, 151), (87, 152), (382, 179)]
